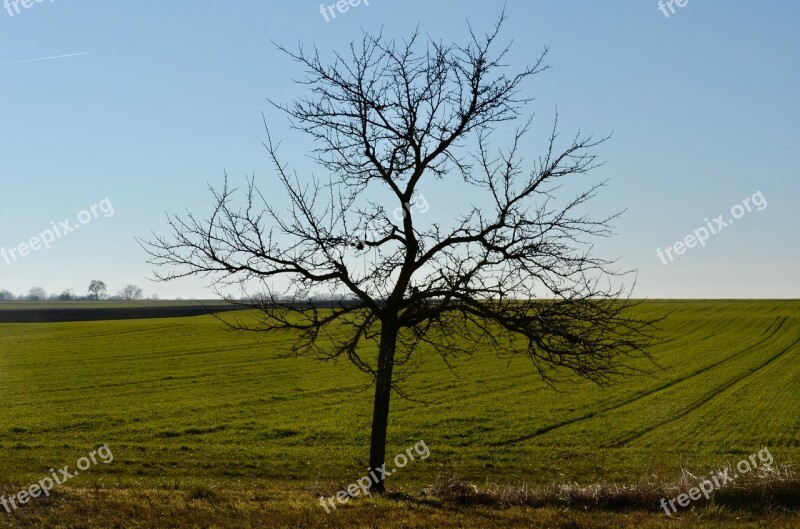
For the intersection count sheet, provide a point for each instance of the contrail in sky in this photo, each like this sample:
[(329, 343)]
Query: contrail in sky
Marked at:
[(46, 58)]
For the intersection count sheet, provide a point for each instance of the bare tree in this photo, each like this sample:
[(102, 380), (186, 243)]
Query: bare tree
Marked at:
[(67, 295), (515, 276), (37, 294), (6, 295), (131, 293), (97, 288)]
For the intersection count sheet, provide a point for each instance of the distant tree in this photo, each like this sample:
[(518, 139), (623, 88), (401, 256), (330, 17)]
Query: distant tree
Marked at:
[(37, 294), (67, 295), (5, 295), (154, 297), (97, 289), (131, 293)]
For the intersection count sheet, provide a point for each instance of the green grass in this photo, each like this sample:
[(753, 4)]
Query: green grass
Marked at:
[(183, 403)]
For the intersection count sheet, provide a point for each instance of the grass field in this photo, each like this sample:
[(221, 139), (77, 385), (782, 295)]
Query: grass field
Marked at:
[(211, 428)]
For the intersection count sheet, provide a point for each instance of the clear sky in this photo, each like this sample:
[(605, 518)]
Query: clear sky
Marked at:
[(167, 96)]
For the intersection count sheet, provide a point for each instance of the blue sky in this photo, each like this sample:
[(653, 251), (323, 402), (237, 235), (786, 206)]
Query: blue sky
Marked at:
[(702, 105)]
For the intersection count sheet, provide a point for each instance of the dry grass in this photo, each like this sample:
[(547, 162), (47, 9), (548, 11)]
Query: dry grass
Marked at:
[(767, 488), (448, 504)]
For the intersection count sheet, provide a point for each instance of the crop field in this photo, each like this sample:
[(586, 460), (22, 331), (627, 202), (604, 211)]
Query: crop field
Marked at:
[(214, 428)]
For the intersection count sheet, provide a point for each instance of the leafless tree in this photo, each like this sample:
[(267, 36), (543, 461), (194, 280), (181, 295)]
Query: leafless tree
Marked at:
[(516, 277), (131, 293), (97, 288), (37, 294), (67, 295)]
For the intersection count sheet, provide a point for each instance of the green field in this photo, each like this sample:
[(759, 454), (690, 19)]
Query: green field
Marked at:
[(193, 411)]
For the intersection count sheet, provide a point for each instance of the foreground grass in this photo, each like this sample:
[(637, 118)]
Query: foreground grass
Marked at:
[(287, 507)]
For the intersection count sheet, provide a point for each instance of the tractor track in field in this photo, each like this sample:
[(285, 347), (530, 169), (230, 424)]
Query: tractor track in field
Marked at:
[(705, 399), (113, 333), (546, 429)]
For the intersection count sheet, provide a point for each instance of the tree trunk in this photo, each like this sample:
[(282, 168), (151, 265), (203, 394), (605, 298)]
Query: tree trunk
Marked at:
[(380, 414)]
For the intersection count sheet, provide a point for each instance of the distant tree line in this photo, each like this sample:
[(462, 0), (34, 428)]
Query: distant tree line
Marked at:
[(97, 291)]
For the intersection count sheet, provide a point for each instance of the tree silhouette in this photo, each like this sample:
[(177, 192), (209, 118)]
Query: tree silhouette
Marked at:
[(37, 294), (513, 276), (96, 288), (131, 293)]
